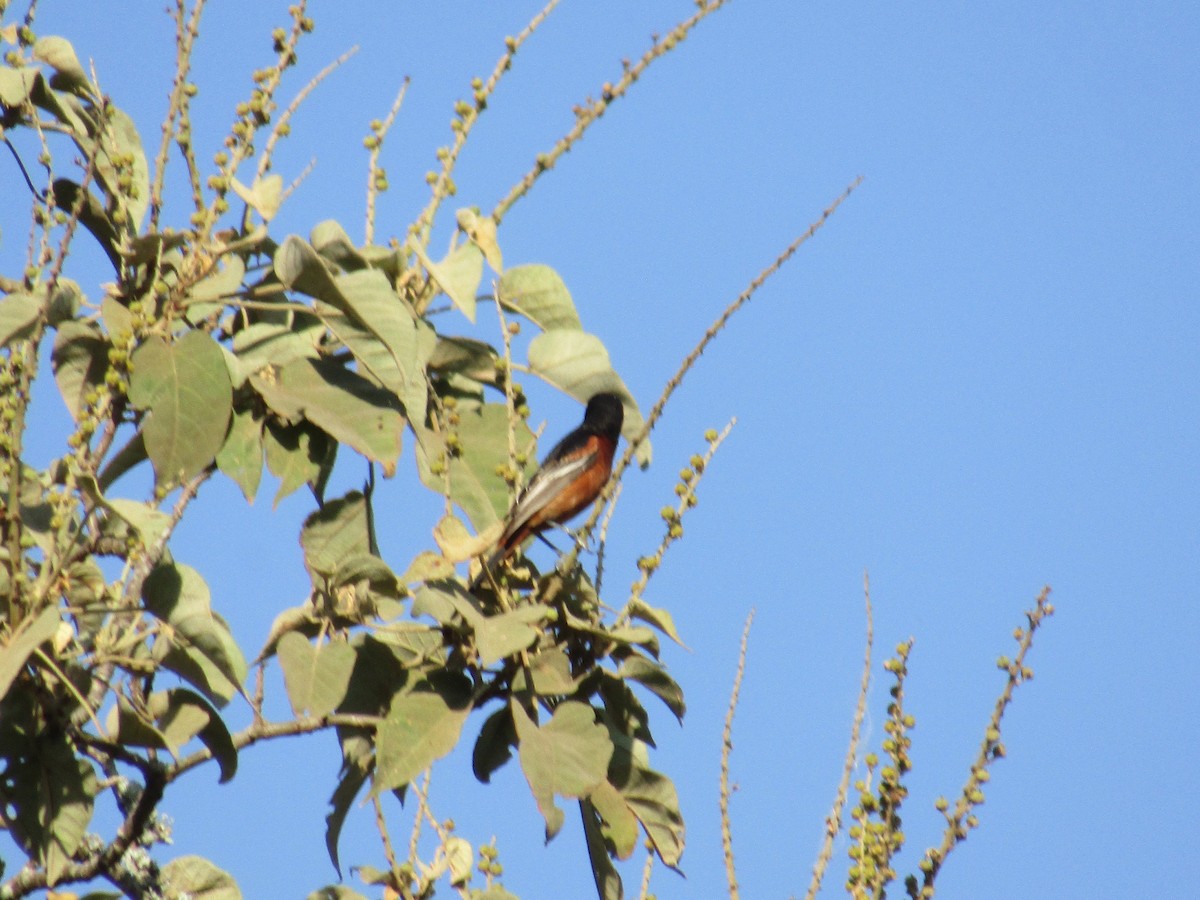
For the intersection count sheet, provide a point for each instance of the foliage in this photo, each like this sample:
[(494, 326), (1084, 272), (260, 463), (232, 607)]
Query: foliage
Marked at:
[(220, 347)]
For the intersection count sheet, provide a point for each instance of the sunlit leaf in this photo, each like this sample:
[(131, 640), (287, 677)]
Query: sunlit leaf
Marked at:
[(500, 636), (420, 728), (316, 677), (335, 532), (177, 595), (58, 53), (568, 756), (199, 879), (481, 230), (24, 639), (458, 275), (539, 294), (19, 312), (186, 388), (241, 456), (80, 361), (341, 403)]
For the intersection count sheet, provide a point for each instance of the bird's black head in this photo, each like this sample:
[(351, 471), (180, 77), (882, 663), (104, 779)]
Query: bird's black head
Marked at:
[(605, 414)]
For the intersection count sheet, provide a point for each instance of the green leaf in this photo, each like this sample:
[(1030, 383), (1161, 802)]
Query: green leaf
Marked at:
[(199, 879), (186, 388), (474, 483), (120, 139), (297, 455), (199, 646), (27, 637), (577, 363), (458, 275), (169, 721), (262, 344), (492, 747), (241, 456), (482, 232), (92, 214), (209, 294), (264, 196), (189, 715), (335, 892), (421, 727), (402, 342), (551, 671), (569, 755), (655, 678), (341, 403), (659, 618), (498, 637), (334, 533), (351, 780), (58, 53), (149, 523), (80, 361), (539, 294), (652, 797), (19, 312), (316, 677), (330, 240), (620, 825), (17, 84), (300, 268), (604, 873), (47, 792)]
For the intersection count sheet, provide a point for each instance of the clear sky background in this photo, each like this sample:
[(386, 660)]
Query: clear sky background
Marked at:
[(979, 378)]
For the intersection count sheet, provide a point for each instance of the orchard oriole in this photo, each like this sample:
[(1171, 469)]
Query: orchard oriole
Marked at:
[(570, 477)]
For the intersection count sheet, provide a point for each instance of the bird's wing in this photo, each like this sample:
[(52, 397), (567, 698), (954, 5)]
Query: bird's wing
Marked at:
[(542, 488)]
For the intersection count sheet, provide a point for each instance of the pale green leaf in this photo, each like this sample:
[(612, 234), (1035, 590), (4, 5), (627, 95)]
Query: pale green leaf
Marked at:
[(27, 637), (538, 293), (604, 873), (241, 456), (482, 232), (334, 533), (500, 636), (297, 455), (186, 388), (80, 361), (316, 677), (341, 403), (199, 879), (58, 53), (420, 728), (568, 755), (263, 196), (458, 275), (19, 312), (177, 595)]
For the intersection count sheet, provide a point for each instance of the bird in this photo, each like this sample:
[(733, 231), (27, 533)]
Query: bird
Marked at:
[(569, 478)]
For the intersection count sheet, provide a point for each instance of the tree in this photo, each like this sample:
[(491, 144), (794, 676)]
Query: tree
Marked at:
[(220, 347)]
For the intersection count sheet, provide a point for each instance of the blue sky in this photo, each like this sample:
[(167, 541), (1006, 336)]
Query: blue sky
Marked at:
[(979, 378)]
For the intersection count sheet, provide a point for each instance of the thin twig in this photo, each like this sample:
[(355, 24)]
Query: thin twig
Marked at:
[(726, 750), (282, 126), (186, 31), (962, 820), (833, 822), (587, 115), (647, 870), (469, 114), (379, 133)]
